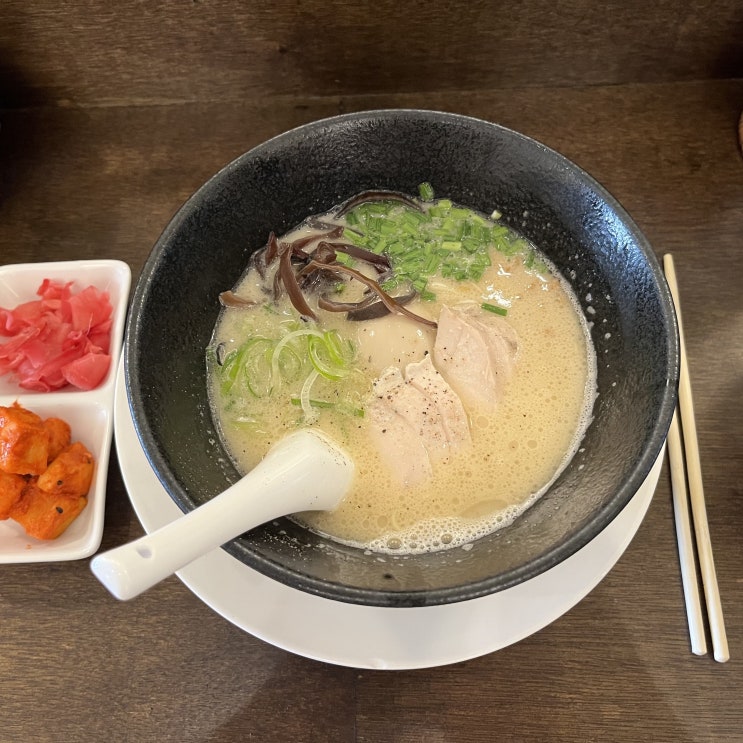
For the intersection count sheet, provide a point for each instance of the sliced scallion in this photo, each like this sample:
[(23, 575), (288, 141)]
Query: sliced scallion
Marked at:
[(495, 309), (288, 367), (425, 191), (444, 238)]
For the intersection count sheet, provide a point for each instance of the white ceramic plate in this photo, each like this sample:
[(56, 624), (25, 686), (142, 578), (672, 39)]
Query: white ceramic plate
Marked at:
[(90, 414), (374, 637)]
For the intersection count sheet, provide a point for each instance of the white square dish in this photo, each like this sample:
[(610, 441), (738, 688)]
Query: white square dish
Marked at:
[(89, 413)]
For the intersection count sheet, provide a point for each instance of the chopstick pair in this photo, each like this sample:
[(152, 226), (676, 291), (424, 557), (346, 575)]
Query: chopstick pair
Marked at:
[(686, 467)]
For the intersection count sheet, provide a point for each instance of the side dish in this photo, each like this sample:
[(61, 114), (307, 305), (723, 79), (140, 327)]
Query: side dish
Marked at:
[(44, 476), (62, 338)]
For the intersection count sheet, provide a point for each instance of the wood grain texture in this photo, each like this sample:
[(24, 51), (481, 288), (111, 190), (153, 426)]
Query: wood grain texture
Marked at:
[(113, 117), (95, 52)]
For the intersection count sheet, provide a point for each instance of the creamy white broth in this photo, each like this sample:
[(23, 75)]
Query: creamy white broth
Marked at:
[(516, 452)]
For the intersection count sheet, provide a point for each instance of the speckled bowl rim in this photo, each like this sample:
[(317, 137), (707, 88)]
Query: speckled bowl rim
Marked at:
[(338, 591)]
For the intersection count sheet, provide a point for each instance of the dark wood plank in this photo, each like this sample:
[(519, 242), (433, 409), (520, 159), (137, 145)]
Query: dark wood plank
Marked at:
[(616, 667), (128, 52), (78, 666)]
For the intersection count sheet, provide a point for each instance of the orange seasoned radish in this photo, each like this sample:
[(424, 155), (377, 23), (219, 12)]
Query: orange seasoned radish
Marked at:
[(46, 515), (24, 442), (11, 487), (70, 473), (59, 436), (44, 479)]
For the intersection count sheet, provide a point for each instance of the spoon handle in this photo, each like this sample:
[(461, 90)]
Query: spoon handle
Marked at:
[(305, 471)]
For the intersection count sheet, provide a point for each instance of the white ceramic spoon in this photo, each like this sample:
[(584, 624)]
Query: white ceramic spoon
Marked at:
[(305, 471)]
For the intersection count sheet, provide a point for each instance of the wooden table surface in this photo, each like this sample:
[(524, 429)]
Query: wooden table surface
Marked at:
[(111, 118)]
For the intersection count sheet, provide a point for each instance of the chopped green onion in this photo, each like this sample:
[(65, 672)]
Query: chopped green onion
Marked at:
[(451, 245), (326, 355), (324, 404), (495, 309), (287, 367), (425, 191), (345, 259), (314, 403), (310, 415), (287, 339), (445, 238), (242, 361)]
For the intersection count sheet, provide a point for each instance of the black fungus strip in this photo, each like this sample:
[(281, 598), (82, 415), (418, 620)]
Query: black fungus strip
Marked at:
[(289, 280), (333, 306), (271, 249), (380, 262), (230, 299), (377, 309), (389, 301)]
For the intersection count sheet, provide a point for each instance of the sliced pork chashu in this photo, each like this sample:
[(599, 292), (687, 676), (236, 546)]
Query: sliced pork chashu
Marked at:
[(476, 353), (452, 416), (417, 420)]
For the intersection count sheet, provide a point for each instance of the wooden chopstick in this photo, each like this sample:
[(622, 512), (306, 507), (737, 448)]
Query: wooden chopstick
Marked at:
[(687, 556), (696, 489)]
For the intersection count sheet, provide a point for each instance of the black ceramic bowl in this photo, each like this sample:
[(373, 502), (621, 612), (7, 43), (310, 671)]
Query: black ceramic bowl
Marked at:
[(587, 234)]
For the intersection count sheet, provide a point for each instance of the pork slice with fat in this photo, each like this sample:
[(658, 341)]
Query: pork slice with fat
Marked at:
[(452, 417), (416, 421), (476, 353)]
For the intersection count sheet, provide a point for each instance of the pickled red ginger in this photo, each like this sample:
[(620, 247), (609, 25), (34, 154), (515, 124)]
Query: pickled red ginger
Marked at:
[(62, 338)]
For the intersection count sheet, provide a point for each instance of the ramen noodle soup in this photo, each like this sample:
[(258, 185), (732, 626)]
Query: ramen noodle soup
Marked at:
[(437, 346)]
